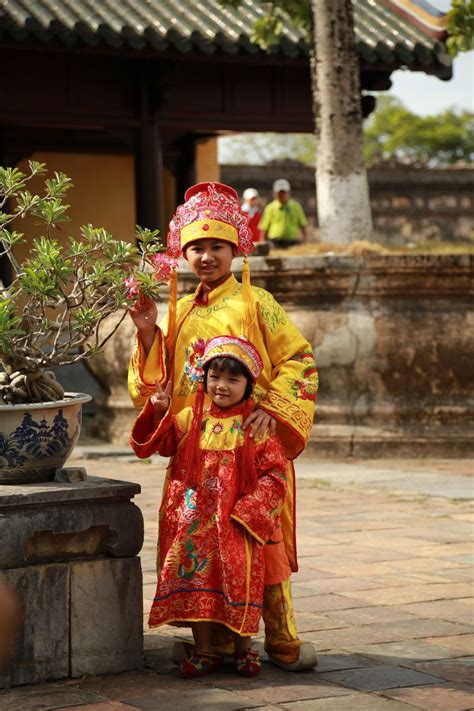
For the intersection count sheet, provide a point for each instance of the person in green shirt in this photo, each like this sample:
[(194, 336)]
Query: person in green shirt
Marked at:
[(283, 219)]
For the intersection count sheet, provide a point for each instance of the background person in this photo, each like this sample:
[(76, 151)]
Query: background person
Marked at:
[(251, 207), (283, 220)]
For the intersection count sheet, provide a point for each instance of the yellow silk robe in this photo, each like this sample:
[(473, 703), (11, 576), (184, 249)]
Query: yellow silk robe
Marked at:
[(286, 387)]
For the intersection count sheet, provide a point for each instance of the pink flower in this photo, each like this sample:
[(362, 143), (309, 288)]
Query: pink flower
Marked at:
[(132, 286), (163, 266)]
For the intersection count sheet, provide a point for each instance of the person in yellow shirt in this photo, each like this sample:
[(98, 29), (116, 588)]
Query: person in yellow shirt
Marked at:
[(209, 229), (283, 220)]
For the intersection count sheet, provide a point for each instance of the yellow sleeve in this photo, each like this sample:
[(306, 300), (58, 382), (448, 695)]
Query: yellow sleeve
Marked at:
[(291, 394), (144, 368)]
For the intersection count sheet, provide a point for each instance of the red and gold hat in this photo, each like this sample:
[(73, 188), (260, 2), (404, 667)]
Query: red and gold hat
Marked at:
[(234, 347), (211, 211)]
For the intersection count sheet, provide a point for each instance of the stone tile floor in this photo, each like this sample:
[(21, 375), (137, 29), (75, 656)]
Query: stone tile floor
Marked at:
[(384, 593)]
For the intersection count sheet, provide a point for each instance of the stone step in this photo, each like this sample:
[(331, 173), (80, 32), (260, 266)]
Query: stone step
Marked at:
[(335, 441)]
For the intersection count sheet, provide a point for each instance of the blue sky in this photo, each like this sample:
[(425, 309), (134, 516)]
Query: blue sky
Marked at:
[(425, 94)]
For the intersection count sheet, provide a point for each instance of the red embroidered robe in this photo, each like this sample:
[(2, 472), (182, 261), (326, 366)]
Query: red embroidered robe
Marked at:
[(211, 565)]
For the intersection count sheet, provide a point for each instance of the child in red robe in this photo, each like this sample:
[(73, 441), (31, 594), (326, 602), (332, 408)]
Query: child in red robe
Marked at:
[(222, 503)]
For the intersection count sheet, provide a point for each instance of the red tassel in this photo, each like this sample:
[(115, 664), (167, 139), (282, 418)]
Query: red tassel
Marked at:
[(248, 473), (192, 453)]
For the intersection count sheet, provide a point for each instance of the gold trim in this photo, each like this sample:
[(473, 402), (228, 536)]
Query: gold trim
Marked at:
[(247, 590), (215, 230), (203, 619), (247, 528)]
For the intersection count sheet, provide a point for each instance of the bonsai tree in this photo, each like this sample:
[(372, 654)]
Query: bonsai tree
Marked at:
[(53, 311)]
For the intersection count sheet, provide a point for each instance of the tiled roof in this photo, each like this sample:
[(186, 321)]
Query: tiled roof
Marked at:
[(394, 32)]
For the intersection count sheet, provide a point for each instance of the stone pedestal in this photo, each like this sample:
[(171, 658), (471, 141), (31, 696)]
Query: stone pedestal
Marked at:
[(70, 550)]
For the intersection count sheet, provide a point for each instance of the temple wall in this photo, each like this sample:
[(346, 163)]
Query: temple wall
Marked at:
[(393, 337), (103, 194), (409, 205)]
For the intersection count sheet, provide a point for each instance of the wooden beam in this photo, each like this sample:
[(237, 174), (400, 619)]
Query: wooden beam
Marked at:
[(148, 166)]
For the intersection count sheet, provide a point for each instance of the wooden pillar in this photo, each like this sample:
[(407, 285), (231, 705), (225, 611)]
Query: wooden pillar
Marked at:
[(149, 166), (186, 165)]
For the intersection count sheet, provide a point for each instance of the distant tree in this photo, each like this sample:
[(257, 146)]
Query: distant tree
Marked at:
[(342, 190), (460, 26), (393, 131)]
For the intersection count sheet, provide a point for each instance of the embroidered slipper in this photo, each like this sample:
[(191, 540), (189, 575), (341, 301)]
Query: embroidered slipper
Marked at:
[(199, 664), (247, 663)]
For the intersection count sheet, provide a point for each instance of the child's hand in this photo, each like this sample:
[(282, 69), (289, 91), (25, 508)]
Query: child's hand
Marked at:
[(161, 399), (144, 314), (260, 421)]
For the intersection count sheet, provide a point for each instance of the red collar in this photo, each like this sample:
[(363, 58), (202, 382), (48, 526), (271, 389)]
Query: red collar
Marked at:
[(222, 412)]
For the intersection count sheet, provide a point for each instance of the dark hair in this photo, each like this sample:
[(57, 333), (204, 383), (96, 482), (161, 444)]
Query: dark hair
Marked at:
[(231, 366)]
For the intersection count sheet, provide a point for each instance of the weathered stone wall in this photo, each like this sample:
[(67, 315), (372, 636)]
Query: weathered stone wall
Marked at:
[(70, 552), (408, 204), (393, 336)]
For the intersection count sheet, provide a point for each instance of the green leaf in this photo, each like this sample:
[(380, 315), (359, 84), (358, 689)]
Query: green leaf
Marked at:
[(120, 252), (5, 217), (38, 283), (146, 235), (10, 179), (10, 237), (51, 211), (85, 319), (36, 167), (460, 27), (26, 201), (9, 322), (76, 247), (58, 185)]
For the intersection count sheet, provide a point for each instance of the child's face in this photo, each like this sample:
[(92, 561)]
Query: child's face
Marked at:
[(225, 389), (210, 259)]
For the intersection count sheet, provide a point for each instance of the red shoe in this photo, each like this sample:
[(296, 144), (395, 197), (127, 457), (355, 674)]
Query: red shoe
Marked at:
[(247, 663), (199, 664)]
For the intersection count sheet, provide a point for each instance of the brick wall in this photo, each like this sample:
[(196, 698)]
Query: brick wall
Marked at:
[(408, 204)]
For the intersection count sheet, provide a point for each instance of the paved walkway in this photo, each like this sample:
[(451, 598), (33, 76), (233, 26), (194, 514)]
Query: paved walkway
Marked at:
[(383, 593)]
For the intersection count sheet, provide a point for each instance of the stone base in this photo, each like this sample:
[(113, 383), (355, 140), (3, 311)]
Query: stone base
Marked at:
[(78, 618), (106, 616), (42, 649), (69, 549), (339, 441)]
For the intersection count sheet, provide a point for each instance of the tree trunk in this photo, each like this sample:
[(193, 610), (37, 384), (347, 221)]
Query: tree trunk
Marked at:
[(342, 189)]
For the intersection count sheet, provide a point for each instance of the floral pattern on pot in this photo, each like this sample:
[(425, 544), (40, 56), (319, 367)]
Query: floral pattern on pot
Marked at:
[(35, 439)]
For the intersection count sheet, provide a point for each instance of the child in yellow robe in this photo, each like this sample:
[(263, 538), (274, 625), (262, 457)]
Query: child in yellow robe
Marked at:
[(209, 230)]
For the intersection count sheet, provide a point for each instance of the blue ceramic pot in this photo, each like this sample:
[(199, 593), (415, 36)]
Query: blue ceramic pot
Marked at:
[(37, 438)]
